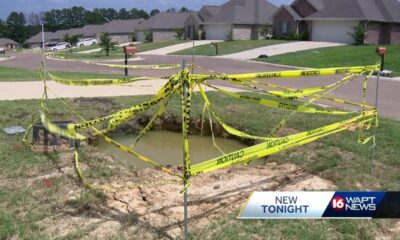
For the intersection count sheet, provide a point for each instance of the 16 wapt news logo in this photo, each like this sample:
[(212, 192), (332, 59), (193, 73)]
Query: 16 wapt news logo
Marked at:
[(354, 204), (315, 205)]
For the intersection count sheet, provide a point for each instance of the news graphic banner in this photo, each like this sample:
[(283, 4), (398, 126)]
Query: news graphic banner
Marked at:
[(316, 205)]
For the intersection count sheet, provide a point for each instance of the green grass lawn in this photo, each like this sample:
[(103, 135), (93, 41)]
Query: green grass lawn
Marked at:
[(118, 52), (228, 47), (21, 74), (339, 56), (86, 48), (337, 158)]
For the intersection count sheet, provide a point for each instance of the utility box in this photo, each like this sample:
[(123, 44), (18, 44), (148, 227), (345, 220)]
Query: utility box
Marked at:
[(44, 141)]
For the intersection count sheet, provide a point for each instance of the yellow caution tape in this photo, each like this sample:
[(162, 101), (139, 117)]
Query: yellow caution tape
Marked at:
[(97, 82), (279, 104), (150, 124), (316, 95), (187, 84), (53, 128), (154, 66), (225, 126), (159, 66), (280, 144), (124, 115), (333, 87), (288, 93), (292, 73)]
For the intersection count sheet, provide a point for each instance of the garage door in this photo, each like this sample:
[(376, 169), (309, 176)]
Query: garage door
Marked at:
[(333, 31), (140, 36), (217, 31)]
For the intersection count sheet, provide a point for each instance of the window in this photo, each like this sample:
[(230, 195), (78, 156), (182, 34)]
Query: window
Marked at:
[(284, 28)]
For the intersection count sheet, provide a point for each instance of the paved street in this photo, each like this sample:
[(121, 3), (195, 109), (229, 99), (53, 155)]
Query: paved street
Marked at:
[(389, 89)]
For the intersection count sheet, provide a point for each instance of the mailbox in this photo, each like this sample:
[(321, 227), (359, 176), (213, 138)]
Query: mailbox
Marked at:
[(214, 44), (381, 51), (130, 50)]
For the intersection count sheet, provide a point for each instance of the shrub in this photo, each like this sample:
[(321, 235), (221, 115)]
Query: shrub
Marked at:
[(358, 35), (196, 35), (132, 37), (148, 36), (203, 35), (298, 36), (180, 33), (265, 31), (229, 35)]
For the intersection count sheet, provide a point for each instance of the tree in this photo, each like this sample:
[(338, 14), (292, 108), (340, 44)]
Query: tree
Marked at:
[(2, 29), (51, 21), (136, 13), (184, 9), (35, 19), (72, 39), (171, 9), (106, 43), (123, 14), (143, 14), (154, 12), (96, 17), (110, 14), (16, 29)]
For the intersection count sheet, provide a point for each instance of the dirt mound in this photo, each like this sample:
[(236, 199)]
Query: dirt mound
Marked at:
[(210, 195)]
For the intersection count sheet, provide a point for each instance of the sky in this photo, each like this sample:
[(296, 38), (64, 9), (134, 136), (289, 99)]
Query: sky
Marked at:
[(28, 6)]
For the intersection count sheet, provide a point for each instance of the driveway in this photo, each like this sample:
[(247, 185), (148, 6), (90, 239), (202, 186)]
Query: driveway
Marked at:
[(279, 49), (176, 47)]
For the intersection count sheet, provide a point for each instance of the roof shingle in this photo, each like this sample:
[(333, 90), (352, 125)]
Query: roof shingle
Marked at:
[(373, 10), (165, 21), (5, 41), (244, 12)]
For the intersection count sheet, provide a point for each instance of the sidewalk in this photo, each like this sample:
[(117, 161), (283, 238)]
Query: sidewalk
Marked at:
[(177, 47), (34, 90), (279, 49)]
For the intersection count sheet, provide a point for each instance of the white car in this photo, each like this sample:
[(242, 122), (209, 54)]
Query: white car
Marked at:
[(60, 46), (86, 42)]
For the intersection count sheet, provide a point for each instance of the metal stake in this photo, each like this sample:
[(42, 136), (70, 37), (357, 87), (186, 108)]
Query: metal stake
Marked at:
[(126, 64), (185, 194), (373, 150)]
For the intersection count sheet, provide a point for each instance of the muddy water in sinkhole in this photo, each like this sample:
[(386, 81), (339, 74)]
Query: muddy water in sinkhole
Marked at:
[(166, 148)]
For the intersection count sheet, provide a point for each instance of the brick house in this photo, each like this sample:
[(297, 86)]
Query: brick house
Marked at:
[(236, 19), (239, 19), (162, 26), (332, 21), (120, 31), (8, 44)]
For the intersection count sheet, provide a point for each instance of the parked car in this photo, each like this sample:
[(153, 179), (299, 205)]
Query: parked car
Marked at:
[(60, 46), (48, 46), (87, 42)]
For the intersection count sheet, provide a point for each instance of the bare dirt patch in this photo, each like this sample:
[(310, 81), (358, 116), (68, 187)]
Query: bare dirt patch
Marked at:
[(154, 208), (211, 195)]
